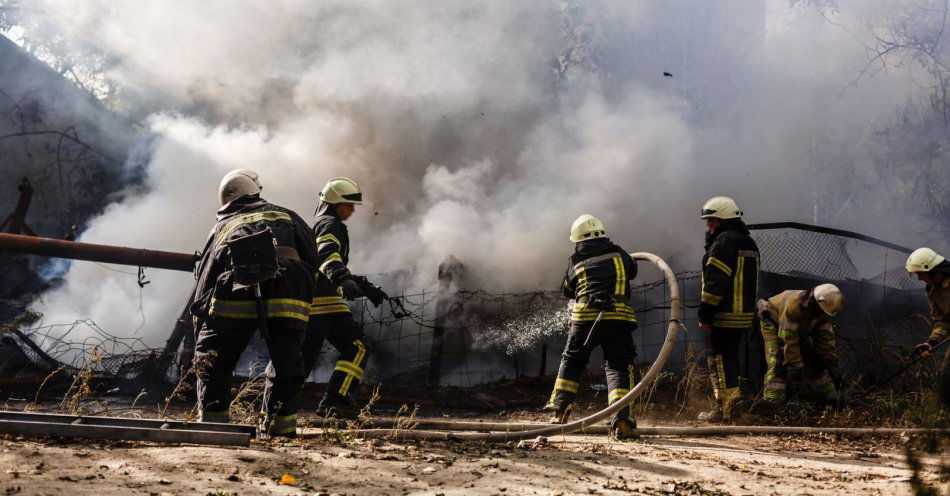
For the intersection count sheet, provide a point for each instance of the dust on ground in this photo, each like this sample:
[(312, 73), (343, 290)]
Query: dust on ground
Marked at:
[(565, 465)]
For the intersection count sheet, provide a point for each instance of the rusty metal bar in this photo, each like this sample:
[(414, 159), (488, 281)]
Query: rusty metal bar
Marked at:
[(127, 422), (115, 428), (137, 257)]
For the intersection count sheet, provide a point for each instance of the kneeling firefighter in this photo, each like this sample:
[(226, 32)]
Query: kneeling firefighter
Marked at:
[(800, 343), (256, 272), (330, 317), (598, 277), (728, 299), (934, 269)]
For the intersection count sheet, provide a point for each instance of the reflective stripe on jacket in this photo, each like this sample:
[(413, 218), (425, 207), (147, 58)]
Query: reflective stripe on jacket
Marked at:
[(802, 323), (730, 278), (599, 266), (333, 255), (286, 296)]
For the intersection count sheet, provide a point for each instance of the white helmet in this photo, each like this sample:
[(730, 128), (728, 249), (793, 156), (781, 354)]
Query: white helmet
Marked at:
[(829, 298), (238, 183), (342, 190), (720, 207), (923, 260), (587, 227)]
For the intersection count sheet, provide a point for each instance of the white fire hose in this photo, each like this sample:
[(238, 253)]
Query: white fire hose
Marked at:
[(512, 434), (502, 432)]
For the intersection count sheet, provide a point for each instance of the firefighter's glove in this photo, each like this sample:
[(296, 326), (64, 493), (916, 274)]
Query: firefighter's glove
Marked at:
[(797, 376), (372, 292), (835, 374), (375, 295), (350, 289)]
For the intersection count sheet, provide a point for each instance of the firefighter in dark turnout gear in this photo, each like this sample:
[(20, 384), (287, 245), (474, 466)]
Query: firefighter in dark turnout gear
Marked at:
[(330, 317), (728, 300), (597, 279), (226, 314), (934, 269)]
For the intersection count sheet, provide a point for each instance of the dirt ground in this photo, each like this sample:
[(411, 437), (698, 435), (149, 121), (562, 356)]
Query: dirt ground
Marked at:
[(567, 465)]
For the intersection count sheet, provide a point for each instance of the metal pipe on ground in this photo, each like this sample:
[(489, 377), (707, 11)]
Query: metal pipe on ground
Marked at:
[(506, 434), (444, 430), (125, 429), (58, 248)]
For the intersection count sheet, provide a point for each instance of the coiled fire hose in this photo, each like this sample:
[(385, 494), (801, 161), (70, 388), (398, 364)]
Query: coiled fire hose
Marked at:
[(584, 423)]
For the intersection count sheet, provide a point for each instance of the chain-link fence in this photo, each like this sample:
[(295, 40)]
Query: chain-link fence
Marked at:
[(465, 337)]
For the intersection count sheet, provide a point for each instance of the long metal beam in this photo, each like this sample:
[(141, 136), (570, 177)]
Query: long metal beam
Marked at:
[(58, 248), (828, 230), (128, 429)]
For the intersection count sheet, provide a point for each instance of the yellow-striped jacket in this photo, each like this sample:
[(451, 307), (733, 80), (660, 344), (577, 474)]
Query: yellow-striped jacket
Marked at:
[(801, 322), (286, 296), (599, 266), (333, 255), (730, 278)]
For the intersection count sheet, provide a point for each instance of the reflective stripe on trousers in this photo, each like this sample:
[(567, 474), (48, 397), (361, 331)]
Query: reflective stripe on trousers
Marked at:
[(247, 309), (283, 424), (774, 389), (353, 370)]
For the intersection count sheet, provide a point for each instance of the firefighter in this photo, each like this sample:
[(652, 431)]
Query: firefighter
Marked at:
[(597, 279), (800, 342), (330, 316), (225, 309), (934, 270), (727, 307)]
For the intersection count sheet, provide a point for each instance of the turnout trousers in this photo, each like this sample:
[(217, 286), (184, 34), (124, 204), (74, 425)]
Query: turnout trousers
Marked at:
[(615, 338), (943, 387), (344, 334), (722, 359), (817, 381), (218, 348)]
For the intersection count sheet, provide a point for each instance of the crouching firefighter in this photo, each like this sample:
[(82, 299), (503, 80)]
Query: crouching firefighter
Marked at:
[(800, 343), (598, 276), (256, 272), (933, 269), (727, 304), (330, 316)]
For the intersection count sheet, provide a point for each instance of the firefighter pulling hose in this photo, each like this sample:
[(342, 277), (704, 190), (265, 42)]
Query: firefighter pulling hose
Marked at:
[(598, 282), (330, 316), (934, 269)]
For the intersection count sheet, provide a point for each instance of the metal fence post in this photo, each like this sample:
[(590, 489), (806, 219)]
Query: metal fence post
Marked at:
[(447, 312)]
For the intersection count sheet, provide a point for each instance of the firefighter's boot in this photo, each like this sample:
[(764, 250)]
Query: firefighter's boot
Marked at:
[(624, 429), (714, 416), (560, 412), (722, 412), (336, 406)]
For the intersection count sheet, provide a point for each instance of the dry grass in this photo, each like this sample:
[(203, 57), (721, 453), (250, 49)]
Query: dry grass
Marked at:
[(80, 388)]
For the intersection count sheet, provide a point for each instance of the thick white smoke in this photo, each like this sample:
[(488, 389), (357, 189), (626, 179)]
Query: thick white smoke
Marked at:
[(479, 130)]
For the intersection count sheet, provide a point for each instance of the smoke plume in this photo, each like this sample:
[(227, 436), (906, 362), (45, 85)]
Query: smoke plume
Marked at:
[(479, 130)]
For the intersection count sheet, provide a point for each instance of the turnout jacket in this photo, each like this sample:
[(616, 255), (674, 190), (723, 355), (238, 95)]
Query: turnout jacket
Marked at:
[(938, 298), (730, 277), (333, 255), (286, 296), (802, 322), (599, 266)]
